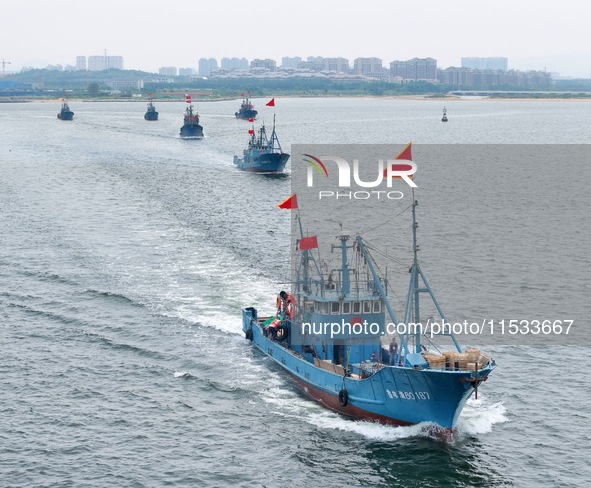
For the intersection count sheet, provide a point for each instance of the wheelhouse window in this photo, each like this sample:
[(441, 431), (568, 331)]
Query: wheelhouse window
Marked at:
[(356, 307), (377, 306), (366, 307), (335, 308), (323, 307), (346, 307)]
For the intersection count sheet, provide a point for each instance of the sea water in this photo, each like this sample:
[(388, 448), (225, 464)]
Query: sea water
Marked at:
[(126, 254)]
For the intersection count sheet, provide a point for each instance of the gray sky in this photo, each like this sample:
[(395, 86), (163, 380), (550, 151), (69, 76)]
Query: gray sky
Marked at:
[(149, 34)]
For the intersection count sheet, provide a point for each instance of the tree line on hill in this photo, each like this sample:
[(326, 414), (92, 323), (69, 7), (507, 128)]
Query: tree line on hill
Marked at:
[(99, 83)]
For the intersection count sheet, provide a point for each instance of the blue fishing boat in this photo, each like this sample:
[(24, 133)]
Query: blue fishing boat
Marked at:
[(263, 153), (65, 113), (246, 110), (404, 380), (151, 113), (191, 128)]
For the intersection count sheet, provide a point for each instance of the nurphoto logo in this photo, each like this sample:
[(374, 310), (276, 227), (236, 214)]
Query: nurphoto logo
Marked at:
[(400, 167)]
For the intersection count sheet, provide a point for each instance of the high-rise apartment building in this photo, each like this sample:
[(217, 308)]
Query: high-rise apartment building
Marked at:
[(167, 71), (340, 65), (100, 63), (232, 64), (415, 69), (81, 63), (314, 63), (287, 62), (186, 71), (207, 65), (367, 66), (269, 64), (490, 79)]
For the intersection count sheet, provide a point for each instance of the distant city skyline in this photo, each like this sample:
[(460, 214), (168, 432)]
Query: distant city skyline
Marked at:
[(534, 35), (425, 69)]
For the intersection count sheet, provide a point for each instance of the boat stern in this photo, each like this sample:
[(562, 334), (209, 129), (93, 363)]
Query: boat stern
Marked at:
[(249, 316)]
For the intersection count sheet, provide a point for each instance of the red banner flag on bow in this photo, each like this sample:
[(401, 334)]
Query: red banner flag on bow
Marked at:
[(307, 243), (242, 94), (271, 103), (289, 203), (251, 131), (188, 98), (251, 119), (404, 155)]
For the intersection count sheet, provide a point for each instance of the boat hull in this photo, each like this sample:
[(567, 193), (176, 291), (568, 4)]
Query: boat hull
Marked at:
[(191, 131), (151, 116), (263, 163), (66, 116), (246, 114), (393, 395)]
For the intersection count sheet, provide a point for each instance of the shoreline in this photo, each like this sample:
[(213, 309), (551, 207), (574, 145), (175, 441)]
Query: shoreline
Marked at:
[(427, 98)]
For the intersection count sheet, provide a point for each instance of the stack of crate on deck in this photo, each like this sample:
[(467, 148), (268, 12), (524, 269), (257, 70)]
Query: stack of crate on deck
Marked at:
[(467, 360)]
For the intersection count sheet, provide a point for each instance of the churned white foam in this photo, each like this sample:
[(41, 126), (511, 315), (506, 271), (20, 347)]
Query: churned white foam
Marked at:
[(218, 311), (290, 404), (479, 416), (224, 322), (371, 430), (178, 374)]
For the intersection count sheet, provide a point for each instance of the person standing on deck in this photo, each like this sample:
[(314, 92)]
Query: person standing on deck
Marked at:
[(285, 304), (393, 351)]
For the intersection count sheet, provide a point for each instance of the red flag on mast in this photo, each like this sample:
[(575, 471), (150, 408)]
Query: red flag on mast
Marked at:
[(271, 103), (251, 131), (307, 243), (251, 119), (404, 155), (242, 94), (289, 203)]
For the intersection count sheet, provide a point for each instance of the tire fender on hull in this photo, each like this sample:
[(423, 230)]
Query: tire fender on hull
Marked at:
[(343, 398)]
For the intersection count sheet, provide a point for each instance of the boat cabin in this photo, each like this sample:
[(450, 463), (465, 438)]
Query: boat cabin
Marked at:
[(341, 320)]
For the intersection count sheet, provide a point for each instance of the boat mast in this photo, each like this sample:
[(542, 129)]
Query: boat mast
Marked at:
[(412, 311), (274, 137), (345, 274), (263, 140), (415, 274), (376, 278), (307, 256)]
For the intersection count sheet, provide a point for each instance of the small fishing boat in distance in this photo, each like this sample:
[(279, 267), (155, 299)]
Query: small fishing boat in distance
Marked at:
[(65, 113), (191, 128), (263, 153), (246, 110), (444, 118), (151, 113)]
